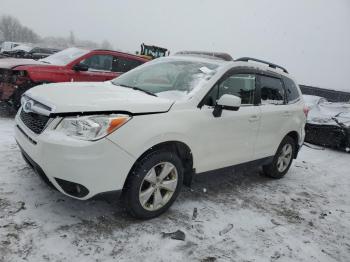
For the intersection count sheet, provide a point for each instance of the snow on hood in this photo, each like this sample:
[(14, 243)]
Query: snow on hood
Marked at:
[(328, 113), (92, 97), (10, 63)]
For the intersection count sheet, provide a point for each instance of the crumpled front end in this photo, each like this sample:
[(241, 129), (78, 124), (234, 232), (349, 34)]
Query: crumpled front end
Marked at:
[(10, 81), (329, 125), (7, 85)]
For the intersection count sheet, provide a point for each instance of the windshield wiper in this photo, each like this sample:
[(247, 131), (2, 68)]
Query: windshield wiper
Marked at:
[(137, 88)]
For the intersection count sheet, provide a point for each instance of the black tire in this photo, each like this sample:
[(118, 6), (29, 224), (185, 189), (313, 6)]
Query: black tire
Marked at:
[(136, 180), (272, 170)]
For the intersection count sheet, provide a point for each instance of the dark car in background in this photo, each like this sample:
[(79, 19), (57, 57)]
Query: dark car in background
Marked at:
[(328, 123), (70, 65), (26, 51)]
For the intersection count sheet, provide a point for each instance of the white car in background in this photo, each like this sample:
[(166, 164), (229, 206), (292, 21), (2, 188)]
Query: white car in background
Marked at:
[(8, 46), (150, 130)]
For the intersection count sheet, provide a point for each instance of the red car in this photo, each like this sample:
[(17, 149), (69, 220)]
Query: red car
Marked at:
[(72, 64)]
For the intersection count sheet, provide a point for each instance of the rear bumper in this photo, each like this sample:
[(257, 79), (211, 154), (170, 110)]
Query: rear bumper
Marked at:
[(79, 169)]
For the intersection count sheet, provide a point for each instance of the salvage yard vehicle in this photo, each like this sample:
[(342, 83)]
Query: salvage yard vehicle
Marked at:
[(17, 51), (8, 46), (328, 123), (150, 130), (32, 52), (69, 65)]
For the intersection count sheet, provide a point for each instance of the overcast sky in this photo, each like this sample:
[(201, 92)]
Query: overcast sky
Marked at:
[(310, 38)]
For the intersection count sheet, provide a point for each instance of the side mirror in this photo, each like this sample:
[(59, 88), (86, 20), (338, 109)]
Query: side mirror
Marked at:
[(228, 102), (81, 67)]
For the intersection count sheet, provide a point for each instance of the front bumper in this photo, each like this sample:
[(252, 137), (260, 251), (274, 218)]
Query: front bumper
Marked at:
[(6, 91), (328, 135), (80, 169)]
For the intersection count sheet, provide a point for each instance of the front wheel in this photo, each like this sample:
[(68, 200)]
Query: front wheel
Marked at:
[(154, 184), (282, 160)]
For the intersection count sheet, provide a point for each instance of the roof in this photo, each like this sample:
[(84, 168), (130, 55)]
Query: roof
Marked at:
[(272, 65), (204, 54), (120, 52), (226, 58)]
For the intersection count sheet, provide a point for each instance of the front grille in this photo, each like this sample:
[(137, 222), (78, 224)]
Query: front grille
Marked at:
[(325, 135), (34, 122)]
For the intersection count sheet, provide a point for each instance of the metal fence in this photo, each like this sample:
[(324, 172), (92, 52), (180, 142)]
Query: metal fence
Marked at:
[(330, 95)]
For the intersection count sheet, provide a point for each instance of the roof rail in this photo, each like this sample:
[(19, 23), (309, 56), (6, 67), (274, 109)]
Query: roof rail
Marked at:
[(272, 65), (222, 56)]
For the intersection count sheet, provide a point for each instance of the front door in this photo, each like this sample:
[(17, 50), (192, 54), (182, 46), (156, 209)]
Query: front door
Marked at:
[(100, 69), (229, 139)]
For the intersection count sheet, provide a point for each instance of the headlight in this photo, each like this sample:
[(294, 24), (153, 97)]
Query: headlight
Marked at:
[(24, 99), (91, 127)]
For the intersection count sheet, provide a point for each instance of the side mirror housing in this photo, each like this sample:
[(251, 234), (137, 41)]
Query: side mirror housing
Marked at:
[(228, 102), (81, 67)]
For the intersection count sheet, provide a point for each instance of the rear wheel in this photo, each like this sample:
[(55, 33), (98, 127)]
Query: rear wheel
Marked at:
[(154, 184), (282, 160)]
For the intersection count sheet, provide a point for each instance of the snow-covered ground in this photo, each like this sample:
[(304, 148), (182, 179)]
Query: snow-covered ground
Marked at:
[(302, 217)]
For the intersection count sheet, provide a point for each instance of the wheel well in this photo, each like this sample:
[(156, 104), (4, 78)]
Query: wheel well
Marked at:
[(181, 149), (294, 135)]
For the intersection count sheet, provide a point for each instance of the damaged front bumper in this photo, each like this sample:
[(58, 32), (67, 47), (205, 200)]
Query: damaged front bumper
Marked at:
[(328, 135), (10, 81)]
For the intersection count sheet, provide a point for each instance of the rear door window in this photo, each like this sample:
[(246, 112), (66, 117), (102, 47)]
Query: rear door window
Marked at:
[(272, 91), (291, 90), (121, 64)]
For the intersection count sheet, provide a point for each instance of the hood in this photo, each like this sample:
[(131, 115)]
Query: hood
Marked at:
[(328, 113), (10, 63), (96, 97)]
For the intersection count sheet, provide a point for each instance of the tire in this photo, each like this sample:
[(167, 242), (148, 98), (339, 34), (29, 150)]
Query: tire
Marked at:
[(275, 169), (145, 185)]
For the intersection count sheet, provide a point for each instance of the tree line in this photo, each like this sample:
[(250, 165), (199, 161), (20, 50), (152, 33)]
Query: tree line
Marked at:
[(12, 30)]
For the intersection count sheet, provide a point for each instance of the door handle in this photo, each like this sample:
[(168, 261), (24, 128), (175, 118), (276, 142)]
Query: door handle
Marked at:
[(254, 118)]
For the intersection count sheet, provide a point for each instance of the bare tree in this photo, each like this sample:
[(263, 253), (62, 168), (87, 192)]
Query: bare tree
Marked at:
[(12, 30)]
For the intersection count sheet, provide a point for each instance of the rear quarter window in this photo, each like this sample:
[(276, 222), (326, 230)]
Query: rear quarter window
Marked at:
[(291, 90)]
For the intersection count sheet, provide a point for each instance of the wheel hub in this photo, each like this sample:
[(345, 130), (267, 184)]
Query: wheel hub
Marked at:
[(158, 186), (285, 157)]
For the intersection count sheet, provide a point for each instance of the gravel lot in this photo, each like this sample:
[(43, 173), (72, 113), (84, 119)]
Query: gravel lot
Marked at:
[(242, 216)]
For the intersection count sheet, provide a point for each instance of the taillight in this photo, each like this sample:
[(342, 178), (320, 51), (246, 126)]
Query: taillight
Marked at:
[(306, 110)]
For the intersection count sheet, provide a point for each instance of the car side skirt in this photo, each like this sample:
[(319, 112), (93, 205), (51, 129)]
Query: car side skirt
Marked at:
[(242, 166)]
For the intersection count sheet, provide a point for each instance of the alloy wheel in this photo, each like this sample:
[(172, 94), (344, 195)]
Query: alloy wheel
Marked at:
[(284, 158), (158, 186)]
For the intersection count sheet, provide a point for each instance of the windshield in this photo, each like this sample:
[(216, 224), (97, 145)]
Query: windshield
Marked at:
[(168, 78), (65, 57)]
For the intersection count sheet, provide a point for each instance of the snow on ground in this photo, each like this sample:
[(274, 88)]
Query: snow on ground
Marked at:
[(302, 217)]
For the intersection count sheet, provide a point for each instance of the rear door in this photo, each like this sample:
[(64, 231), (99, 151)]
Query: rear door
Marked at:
[(274, 115)]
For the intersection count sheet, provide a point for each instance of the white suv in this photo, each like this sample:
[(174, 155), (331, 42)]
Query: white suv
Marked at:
[(148, 131)]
